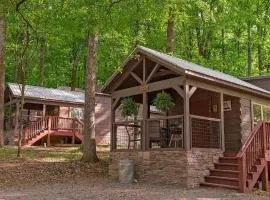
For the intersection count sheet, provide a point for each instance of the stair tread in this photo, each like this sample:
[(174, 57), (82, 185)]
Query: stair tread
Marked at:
[(222, 177), (224, 170), (219, 185), (230, 164), (229, 158)]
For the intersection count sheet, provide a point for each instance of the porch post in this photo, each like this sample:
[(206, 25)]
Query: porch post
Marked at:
[(145, 116), (222, 121), (44, 110), (113, 138), (186, 117)]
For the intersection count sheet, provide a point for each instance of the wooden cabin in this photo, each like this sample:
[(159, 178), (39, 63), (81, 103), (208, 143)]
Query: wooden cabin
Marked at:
[(59, 110), (217, 133)]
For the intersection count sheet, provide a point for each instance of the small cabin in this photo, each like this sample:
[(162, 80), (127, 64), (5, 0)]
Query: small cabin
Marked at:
[(63, 107), (215, 135)]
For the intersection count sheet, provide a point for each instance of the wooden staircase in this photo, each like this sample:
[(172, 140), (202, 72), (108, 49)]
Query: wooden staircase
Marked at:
[(50, 126), (242, 170)]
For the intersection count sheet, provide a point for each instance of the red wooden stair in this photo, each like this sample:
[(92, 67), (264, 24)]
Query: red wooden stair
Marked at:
[(242, 170), (49, 126)]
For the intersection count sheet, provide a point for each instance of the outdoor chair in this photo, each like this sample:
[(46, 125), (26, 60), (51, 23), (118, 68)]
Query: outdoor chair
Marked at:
[(134, 135)]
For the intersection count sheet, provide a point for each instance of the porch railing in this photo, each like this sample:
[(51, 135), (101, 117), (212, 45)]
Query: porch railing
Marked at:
[(127, 135), (205, 132), (165, 132)]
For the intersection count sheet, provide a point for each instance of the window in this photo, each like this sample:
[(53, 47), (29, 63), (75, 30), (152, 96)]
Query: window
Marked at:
[(260, 112)]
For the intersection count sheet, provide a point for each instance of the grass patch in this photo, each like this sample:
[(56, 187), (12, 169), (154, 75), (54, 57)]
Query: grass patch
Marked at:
[(49, 154)]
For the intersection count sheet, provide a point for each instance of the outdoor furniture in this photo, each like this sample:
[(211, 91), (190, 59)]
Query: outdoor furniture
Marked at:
[(134, 134), (176, 135)]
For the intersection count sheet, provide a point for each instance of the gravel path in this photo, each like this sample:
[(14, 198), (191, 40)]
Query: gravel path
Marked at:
[(103, 188)]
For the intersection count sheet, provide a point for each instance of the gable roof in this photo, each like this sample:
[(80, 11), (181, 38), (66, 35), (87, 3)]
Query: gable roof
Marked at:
[(191, 69), (49, 94)]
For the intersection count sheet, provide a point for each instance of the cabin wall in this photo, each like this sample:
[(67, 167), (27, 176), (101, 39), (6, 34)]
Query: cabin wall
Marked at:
[(232, 124), (103, 118), (246, 119)]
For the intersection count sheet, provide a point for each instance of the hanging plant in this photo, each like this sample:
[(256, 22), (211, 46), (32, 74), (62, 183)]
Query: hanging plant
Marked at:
[(129, 107), (163, 102)]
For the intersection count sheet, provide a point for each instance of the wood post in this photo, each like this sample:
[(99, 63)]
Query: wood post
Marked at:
[(222, 134), (73, 131), (113, 138), (145, 116), (265, 178), (186, 118), (242, 173), (49, 131)]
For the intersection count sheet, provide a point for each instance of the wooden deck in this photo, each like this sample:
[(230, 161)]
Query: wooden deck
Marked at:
[(50, 126)]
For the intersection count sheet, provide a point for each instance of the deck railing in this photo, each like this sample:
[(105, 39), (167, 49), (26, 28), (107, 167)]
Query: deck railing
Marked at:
[(35, 128), (165, 132), (255, 148), (205, 132), (49, 123), (127, 135)]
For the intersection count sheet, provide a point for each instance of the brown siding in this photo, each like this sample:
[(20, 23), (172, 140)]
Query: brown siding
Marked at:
[(246, 122), (232, 122)]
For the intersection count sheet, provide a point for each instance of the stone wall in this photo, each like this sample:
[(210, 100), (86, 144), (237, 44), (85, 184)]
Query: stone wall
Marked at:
[(184, 168), (199, 161)]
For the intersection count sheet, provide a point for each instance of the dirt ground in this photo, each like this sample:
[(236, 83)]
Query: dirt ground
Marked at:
[(38, 179), (102, 188)]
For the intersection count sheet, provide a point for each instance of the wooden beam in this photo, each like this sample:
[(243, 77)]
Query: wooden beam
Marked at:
[(152, 73), (192, 91), (144, 70), (222, 121), (10, 102), (151, 87), (125, 74), (115, 102), (164, 73), (138, 79), (179, 91), (187, 129)]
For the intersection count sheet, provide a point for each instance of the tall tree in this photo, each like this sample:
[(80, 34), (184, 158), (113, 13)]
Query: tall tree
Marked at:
[(2, 75), (89, 142)]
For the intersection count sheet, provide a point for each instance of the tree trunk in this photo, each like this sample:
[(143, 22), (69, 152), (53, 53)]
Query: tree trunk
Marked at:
[(89, 142), (76, 54), (23, 65), (41, 60), (2, 76), (249, 56), (170, 31), (260, 49), (21, 133)]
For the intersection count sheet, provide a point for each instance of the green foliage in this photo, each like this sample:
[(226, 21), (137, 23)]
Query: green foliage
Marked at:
[(163, 102), (129, 107), (210, 33)]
